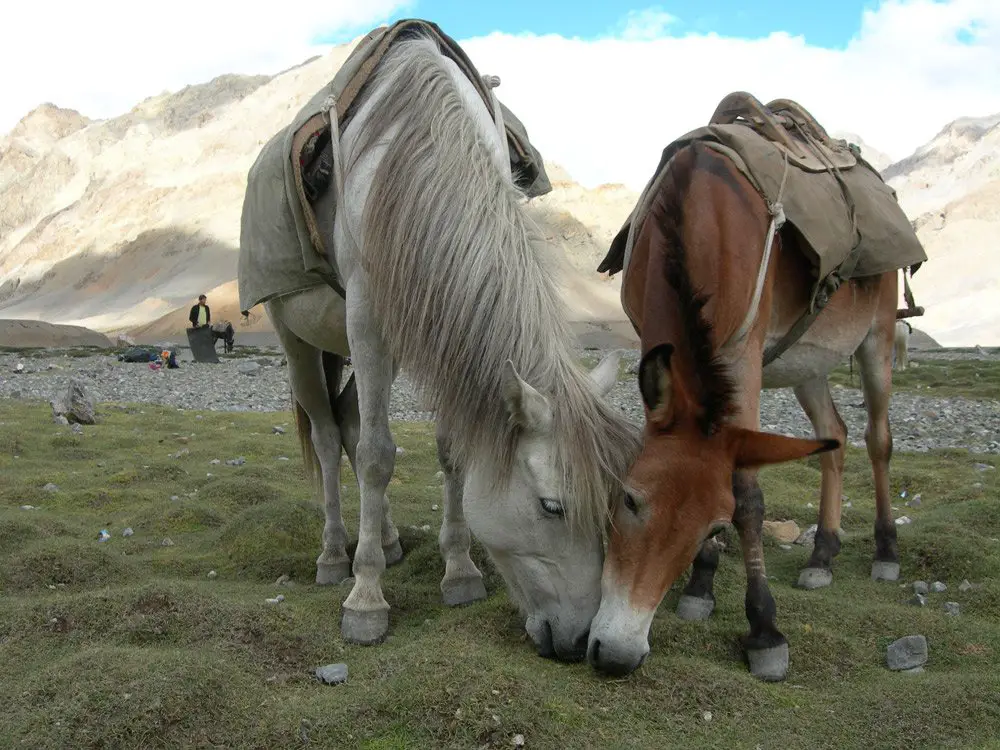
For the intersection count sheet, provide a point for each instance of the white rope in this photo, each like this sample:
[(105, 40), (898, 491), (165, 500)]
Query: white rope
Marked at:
[(329, 110), (777, 211)]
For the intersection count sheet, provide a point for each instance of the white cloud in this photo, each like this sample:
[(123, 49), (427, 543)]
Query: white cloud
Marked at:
[(603, 108), (648, 23), (104, 56)]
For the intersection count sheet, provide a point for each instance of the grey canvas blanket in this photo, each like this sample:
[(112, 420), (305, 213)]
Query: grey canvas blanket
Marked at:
[(281, 249)]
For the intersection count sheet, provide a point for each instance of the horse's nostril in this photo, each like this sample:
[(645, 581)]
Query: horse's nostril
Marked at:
[(580, 644)]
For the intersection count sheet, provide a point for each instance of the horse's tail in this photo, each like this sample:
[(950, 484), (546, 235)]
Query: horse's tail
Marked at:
[(333, 369)]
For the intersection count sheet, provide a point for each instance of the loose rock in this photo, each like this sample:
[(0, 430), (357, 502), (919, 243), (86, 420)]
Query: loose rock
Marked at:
[(908, 652), (937, 587), (167, 542), (952, 608), (903, 520), (919, 600), (127, 531), (332, 674), (965, 586), (278, 430), (236, 461), (920, 587), (212, 574), (808, 536), (782, 531), (50, 488)]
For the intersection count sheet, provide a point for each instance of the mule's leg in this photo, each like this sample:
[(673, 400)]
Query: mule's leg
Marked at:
[(874, 356), (462, 582), (817, 402), (765, 645), (308, 382), (365, 617), (697, 602), (349, 421)]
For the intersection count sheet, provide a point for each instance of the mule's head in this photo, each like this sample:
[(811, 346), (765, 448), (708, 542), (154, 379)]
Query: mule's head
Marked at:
[(677, 494), (551, 561)]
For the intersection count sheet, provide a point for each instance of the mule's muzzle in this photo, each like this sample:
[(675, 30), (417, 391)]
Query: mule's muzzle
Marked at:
[(611, 660)]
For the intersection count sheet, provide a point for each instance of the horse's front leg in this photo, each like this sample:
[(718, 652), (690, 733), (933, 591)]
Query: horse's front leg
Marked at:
[(462, 582), (365, 617), (765, 645)]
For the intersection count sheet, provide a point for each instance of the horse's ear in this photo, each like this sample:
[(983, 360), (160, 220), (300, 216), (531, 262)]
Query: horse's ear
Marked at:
[(605, 375), (752, 448), (656, 384), (527, 407)]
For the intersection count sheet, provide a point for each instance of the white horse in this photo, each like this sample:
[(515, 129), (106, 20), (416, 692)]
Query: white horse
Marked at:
[(447, 278), (901, 345)]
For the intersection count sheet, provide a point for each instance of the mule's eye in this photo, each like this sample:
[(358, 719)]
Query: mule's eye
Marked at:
[(551, 507), (716, 530), (631, 503)]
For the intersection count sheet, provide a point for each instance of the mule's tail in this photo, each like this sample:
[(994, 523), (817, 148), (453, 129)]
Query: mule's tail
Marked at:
[(333, 370)]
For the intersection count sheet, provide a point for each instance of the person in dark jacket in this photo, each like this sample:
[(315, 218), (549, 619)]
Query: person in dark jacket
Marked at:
[(201, 314)]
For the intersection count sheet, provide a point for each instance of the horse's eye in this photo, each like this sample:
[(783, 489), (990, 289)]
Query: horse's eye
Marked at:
[(716, 530), (551, 507), (631, 503)]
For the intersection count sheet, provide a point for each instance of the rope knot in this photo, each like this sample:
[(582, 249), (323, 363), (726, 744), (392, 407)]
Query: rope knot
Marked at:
[(491, 82), (777, 211)]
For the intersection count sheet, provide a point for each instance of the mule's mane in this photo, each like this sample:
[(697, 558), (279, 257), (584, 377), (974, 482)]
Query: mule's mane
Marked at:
[(715, 386), (461, 281)]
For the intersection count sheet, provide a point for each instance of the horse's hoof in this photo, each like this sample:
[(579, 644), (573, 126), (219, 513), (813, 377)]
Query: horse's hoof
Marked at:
[(364, 627), (885, 571), (769, 664), (393, 553), (330, 574), (815, 578), (465, 590), (694, 607)]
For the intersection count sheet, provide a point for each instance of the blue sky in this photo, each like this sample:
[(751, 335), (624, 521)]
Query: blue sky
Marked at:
[(827, 24)]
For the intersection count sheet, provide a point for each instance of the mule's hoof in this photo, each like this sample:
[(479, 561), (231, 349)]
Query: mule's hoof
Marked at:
[(329, 574), (815, 578), (365, 627), (465, 590), (769, 664), (885, 571), (393, 553), (694, 607)]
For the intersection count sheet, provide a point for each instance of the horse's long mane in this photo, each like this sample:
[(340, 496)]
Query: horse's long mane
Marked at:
[(462, 281)]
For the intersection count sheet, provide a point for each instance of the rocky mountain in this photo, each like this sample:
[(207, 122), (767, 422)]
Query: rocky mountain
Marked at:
[(120, 224)]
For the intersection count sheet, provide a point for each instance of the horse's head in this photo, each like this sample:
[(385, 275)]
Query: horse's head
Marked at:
[(547, 546), (677, 494)]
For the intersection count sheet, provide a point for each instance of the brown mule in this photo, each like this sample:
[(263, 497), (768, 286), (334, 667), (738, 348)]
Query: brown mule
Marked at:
[(689, 285)]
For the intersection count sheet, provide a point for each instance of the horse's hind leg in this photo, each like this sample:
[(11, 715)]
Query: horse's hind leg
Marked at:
[(462, 582), (817, 402), (349, 421), (875, 358), (309, 387)]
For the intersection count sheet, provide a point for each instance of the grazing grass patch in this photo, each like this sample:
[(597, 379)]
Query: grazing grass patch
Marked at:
[(129, 642), (969, 378)]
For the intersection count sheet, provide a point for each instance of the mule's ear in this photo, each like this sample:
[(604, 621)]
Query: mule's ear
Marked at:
[(605, 375), (527, 407), (754, 448), (656, 383)]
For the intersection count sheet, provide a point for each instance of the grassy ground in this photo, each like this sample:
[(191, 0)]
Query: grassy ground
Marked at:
[(129, 643)]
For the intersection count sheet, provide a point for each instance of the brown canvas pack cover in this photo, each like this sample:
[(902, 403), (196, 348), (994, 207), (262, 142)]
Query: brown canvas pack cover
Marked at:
[(281, 249), (814, 204)]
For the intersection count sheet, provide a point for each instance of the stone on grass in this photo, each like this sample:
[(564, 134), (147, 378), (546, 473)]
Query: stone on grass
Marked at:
[(965, 586), (938, 588), (903, 520), (212, 574), (60, 419), (518, 740), (808, 536), (236, 461), (332, 674), (782, 531), (276, 600), (920, 587), (77, 405), (919, 600), (50, 488), (278, 430), (248, 368), (952, 608), (167, 542), (908, 652), (127, 531)]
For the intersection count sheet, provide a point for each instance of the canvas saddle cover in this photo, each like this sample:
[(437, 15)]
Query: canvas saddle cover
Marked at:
[(758, 139), (281, 248)]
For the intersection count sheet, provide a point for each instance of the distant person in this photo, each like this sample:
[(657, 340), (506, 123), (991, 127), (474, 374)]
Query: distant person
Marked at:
[(201, 314)]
